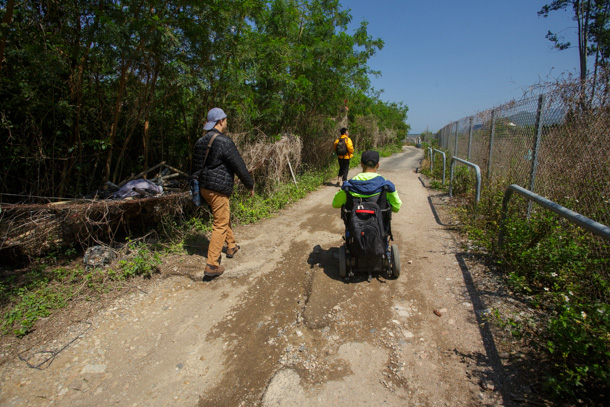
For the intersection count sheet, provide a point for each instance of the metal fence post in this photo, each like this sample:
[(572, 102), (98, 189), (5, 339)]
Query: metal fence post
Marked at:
[(444, 162), (469, 139), (456, 138), (491, 142), (538, 136), (477, 172)]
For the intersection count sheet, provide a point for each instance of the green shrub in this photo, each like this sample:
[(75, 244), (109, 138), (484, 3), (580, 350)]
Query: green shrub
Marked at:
[(565, 271), (33, 303), (464, 180), (141, 261), (577, 338)]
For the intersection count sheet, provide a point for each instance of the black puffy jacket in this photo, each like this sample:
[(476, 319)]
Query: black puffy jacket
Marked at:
[(222, 164)]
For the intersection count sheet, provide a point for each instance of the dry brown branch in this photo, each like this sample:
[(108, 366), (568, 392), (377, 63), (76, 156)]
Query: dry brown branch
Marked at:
[(175, 170), (33, 229), (141, 174)]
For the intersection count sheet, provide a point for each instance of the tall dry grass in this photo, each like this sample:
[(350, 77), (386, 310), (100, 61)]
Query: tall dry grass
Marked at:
[(270, 162)]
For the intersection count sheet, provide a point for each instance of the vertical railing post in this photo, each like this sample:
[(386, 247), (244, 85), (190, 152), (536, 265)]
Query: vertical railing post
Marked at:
[(455, 159), (444, 162), (469, 138), (455, 152), (491, 142), (538, 136)]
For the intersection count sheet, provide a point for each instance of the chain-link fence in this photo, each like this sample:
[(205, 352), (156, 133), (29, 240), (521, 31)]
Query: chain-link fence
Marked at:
[(549, 144), (556, 145)]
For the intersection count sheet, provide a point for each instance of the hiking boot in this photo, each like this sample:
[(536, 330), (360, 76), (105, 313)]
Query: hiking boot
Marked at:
[(213, 271), (231, 252)]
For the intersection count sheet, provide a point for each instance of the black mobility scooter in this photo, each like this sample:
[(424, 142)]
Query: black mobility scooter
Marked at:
[(368, 234)]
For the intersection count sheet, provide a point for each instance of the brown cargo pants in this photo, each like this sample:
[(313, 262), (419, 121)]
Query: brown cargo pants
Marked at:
[(221, 227)]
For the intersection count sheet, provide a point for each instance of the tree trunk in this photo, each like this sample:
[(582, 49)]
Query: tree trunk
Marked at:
[(119, 163), (148, 107), (6, 21), (115, 122), (119, 99), (582, 18)]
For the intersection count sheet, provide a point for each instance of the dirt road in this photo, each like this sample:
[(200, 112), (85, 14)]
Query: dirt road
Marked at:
[(280, 328)]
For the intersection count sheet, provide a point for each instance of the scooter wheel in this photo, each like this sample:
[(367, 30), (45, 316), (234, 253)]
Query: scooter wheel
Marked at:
[(395, 260), (342, 262)]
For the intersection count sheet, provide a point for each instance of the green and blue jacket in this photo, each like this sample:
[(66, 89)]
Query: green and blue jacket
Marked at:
[(365, 185)]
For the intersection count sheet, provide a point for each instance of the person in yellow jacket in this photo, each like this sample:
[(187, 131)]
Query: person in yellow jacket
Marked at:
[(344, 154)]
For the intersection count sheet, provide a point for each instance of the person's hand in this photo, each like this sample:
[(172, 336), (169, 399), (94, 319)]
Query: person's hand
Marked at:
[(251, 192)]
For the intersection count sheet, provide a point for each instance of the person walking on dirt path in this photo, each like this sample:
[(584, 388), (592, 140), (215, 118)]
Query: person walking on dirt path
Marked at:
[(368, 183), (345, 151), (215, 170)]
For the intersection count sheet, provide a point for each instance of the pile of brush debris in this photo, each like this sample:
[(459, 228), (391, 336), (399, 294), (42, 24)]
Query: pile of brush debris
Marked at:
[(136, 205)]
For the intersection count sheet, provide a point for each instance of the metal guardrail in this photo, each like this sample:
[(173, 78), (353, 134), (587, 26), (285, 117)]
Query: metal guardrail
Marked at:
[(478, 174), (444, 162), (582, 221)]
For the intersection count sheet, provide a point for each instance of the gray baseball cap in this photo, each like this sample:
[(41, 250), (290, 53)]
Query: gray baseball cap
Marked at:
[(214, 115)]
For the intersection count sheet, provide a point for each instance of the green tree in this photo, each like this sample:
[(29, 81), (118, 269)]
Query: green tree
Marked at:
[(92, 91)]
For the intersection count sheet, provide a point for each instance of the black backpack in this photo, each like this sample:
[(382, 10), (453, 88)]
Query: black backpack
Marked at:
[(342, 147), (366, 234)]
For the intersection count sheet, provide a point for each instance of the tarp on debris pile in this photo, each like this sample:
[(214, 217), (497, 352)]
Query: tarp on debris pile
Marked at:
[(138, 187)]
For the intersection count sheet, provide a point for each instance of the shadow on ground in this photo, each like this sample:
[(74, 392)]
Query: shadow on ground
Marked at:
[(328, 261), (196, 244), (491, 358)]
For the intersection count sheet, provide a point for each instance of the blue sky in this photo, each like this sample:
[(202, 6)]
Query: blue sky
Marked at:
[(448, 59)]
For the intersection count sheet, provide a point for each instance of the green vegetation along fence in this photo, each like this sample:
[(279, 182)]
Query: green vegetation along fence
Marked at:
[(556, 145)]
